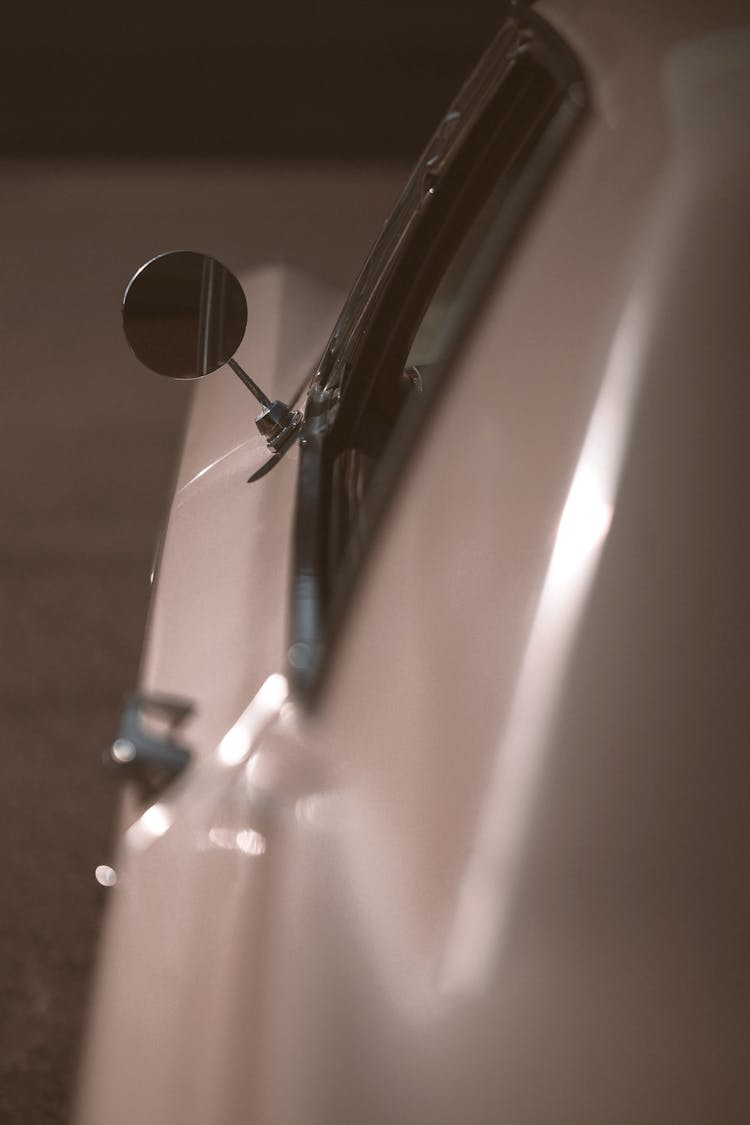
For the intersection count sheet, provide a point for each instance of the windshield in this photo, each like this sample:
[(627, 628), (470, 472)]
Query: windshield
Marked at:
[(397, 337)]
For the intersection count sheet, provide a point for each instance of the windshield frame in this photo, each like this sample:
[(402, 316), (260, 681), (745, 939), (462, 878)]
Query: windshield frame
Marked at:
[(316, 611)]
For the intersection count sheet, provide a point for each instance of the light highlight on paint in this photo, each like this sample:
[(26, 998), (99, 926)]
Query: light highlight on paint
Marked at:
[(155, 822), (486, 893), (583, 526), (246, 840), (238, 741)]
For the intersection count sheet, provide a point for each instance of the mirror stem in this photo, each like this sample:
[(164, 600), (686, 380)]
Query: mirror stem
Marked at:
[(277, 422), (254, 389)]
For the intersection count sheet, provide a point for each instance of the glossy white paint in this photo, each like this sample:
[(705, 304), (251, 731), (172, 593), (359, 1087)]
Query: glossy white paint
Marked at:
[(217, 626), (498, 875)]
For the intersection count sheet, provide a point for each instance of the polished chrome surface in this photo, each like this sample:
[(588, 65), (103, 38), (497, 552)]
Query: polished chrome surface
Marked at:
[(184, 314)]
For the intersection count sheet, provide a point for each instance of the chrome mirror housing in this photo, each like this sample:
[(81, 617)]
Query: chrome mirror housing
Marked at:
[(184, 315)]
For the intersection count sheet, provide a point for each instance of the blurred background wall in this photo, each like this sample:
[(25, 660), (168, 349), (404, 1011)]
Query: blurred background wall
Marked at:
[(251, 130), (252, 78)]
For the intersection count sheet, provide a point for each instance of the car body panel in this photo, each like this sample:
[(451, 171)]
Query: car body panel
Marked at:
[(498, 872), (217, 625)]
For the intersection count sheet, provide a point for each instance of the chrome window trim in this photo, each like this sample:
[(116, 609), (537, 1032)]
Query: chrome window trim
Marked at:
[(316, 615)]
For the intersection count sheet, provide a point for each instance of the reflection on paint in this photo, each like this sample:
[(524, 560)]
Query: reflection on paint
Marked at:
[(322, 811), (246, 840), (234, 745), (212, 465), (288, 713), (486, 890), (155, 822), (238, 741), (584, 524)]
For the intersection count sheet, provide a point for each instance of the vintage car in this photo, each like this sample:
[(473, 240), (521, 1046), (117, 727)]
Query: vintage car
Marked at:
[(438, 768)]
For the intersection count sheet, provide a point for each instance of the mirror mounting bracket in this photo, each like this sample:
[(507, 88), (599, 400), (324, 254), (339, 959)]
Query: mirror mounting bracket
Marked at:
[(277, 422)]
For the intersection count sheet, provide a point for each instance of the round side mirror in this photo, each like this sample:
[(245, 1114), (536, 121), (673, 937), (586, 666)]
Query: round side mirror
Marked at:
[(184, 314)]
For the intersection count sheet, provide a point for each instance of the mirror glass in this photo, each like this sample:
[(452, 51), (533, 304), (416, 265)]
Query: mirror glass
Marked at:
[(184, 314)]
